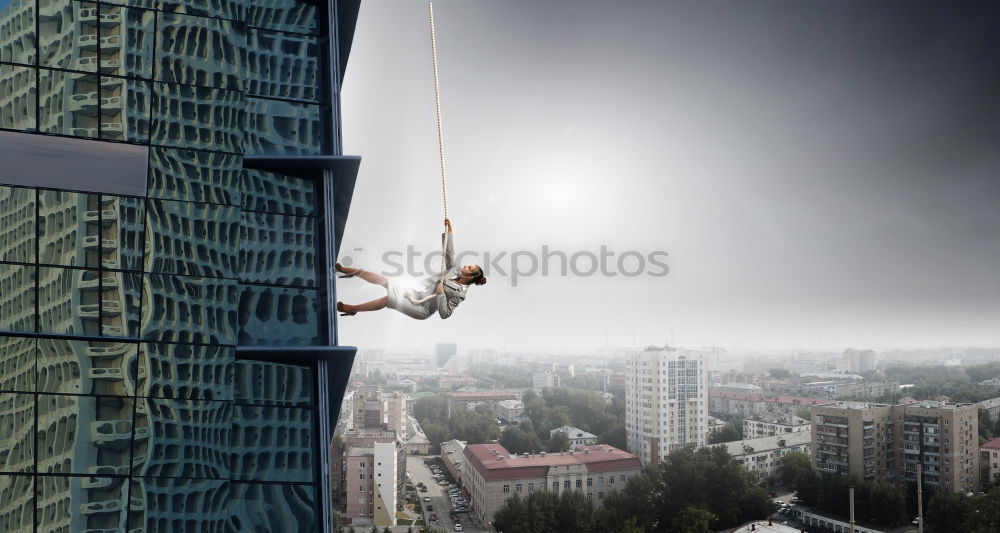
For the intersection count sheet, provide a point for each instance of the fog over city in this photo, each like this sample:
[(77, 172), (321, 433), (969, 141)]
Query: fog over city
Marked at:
[(821, 174)]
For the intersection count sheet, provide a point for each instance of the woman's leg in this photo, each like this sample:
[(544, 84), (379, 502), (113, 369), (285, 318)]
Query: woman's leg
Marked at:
[(370, 277), (373, 305)]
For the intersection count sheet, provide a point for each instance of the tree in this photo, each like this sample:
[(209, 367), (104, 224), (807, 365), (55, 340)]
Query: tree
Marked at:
[(779, 373), (546, 512), (710, 479), (795, 468), (559, 442), (728, 433), (634, 502), (693, 520), (519, 440)]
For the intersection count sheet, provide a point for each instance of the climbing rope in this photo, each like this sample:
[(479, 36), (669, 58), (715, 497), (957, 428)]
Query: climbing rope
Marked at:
[(444, 176)]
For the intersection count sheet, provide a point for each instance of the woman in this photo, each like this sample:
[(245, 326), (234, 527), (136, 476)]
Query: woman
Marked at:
[(416, 305)]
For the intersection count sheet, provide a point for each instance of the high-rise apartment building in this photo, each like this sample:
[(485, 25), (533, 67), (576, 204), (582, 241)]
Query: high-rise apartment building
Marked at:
[(172, 193), (879, 442), (860, 361), (666, 401)]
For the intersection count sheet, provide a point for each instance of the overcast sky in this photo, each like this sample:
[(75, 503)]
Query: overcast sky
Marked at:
[(822, 174)]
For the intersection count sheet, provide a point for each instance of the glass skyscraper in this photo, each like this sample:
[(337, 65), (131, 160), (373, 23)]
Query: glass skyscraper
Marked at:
[(172, 195)]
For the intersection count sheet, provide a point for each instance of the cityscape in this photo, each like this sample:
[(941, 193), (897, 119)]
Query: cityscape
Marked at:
[(741, 256)]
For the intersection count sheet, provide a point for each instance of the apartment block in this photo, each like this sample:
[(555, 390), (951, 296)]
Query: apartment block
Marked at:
[(666, 402), (764, 455), (771, 424), (894, 442), (989, 463)]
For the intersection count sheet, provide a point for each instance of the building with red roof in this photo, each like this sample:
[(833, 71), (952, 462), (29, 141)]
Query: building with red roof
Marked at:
[(989, 462), (493, 474)]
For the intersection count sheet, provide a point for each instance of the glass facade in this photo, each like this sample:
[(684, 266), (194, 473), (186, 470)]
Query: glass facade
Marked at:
[(144, 385)]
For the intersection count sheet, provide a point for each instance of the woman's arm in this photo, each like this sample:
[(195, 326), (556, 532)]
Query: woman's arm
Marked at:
[(449, 253)]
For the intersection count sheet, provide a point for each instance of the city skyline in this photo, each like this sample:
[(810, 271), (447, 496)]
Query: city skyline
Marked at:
[(820, 177)]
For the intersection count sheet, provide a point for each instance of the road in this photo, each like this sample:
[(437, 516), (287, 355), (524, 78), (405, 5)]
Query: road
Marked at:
[(420, 472)]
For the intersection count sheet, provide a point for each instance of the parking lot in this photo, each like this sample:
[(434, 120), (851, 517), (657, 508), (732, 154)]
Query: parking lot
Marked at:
[(438, 495)]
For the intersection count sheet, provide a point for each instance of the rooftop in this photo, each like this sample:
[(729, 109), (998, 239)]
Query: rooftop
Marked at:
[(493, 461), (573, 433), (763, 527), (788, 440), (992, 444), (484, 395)]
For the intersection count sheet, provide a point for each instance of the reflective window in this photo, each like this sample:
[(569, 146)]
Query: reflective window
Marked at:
[(79, 434), (198, 117), (273, 444), (193, 238), (17, 298), (82, 164), (283, 65), (166, 504), (277, 316), (17, 31), (17, 500), (194, 176), (68, 103), (186, 371), (190, 438), (278, 249), (17, 418), (68, 35), (69, 301), (125, 109), (287, 15), (200, 51), (95, 502), (224, 9), (127, 46), (17, 364), (86, 367), (69, 228), (276, 128), (189, 309), (18, 97), (274, 508), (123, 219), (276, 193), (269, 383), (17, 224)]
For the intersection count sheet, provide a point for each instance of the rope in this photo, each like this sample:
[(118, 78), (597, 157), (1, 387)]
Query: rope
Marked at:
[(444, 176)]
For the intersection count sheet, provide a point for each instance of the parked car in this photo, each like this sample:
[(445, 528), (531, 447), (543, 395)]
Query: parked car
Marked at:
[(430, 507), (458, 527), (427, 498)]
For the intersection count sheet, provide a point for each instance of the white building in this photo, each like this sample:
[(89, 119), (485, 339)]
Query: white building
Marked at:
[(385, 483), (666, 401), (771, 424), (509, 410), (765, 455), (577, 436), (544, 379)]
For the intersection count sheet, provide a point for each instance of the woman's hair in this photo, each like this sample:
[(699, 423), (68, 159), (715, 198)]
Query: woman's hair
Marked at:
[(480, 278)]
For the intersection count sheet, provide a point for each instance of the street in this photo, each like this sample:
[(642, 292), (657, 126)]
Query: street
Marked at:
[(420, 472)]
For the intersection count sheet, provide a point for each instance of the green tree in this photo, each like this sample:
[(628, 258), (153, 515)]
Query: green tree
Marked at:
[(518, 440), (710, 479), (634, 502), (779, 373), (728, 433), (559, 442), (795, 468), (693, 520), (546, 512)]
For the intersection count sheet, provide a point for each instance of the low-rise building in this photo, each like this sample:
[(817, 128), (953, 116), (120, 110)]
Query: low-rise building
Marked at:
[(764, 455), (453, 456), (990, 408), (509, 410), (989, 463), (458, 402), (493, 474), (576, 436), (771, 424)]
